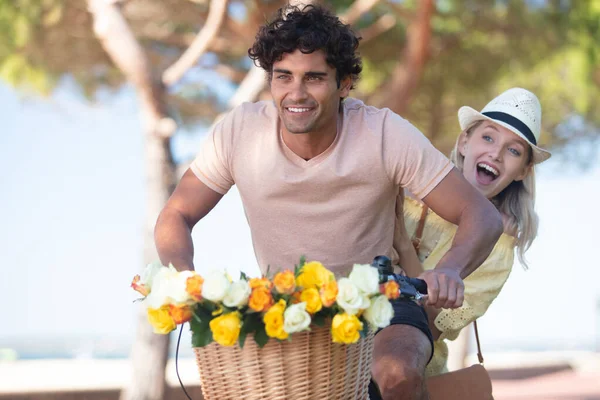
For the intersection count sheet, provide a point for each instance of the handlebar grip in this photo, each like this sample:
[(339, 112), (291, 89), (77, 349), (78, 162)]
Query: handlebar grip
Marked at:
[(419, 284)]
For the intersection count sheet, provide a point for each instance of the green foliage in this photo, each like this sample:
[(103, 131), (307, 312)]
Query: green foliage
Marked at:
[(20, 21), (477, 49)]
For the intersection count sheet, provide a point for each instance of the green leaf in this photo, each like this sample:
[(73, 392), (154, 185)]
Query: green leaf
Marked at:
[(243, 276), (201, 320), (302, 261), (319, 319), (251, 322), (202, 338), (242, 338), (260, 336)]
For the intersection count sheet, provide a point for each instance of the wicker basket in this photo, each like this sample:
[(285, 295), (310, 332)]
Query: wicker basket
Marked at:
[(309, 366)]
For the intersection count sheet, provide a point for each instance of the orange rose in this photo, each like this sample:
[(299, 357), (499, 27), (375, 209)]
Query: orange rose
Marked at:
[(391, 289), (193, 285), (180, 314), (256, 282), (296, 297), (142, 289), (312, 299), (260, 299), (285, 282), (329, 293)]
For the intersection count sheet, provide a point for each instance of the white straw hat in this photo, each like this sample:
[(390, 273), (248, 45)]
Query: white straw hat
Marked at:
[(518, 110)]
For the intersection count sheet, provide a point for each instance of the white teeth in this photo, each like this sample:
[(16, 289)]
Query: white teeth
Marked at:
[(487, 167), (298, 110)]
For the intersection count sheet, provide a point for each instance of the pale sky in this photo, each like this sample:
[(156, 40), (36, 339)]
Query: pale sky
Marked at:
[(70, 236)]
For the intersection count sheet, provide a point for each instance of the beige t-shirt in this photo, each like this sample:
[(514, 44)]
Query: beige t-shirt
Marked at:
[(338, 207)]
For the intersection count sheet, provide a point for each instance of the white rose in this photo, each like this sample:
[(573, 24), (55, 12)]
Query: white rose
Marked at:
[(237, 294), (350, 297), (147, 277), (366, 278), (161, 292), (177, 288), (215, 286), (380, 312), (295, 318)]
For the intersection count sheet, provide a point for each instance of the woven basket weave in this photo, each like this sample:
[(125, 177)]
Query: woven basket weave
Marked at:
[(309, 366)]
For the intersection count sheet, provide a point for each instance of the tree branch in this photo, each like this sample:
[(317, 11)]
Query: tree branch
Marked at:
[(199, 45), (357, 9), (407, 73), (120, 44), (383, 24)]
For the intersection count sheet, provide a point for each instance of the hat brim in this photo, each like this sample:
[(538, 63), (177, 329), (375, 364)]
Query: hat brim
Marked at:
[(468, 115)]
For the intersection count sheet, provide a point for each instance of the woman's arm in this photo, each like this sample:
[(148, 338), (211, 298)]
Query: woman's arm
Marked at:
[(409, 261)]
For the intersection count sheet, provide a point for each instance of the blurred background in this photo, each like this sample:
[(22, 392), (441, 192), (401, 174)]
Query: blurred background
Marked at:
[(105, 102)]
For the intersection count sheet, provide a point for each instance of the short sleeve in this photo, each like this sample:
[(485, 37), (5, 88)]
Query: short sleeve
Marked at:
[(410, 159), (213, 163), (481, 288)]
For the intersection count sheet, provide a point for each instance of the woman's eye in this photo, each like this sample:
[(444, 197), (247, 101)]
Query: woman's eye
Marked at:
[(487, 138), (515, 152)]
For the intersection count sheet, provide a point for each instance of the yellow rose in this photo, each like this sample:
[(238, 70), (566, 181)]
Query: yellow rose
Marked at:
[(391, 290), (260, 299), (180, 314), (312, 299), (285, 282), (273, 320), (329, 293), (313, 274), (226, 328), (193, 285), (345, 328), (161, 320)]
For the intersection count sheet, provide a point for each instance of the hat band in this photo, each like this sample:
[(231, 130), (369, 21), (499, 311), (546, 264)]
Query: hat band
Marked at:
[(514, 122)]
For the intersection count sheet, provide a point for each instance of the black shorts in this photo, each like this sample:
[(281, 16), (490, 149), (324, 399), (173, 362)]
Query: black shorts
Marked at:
[(406, 312)]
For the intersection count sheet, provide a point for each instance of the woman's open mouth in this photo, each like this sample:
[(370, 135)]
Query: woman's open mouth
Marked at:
[(486, 174)]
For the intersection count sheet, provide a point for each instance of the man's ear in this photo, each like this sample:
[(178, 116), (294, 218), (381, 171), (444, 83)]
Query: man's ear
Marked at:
[(462, 143), (345, 86), (524, 173)]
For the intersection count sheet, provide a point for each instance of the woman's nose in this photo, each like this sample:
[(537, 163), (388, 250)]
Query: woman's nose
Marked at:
[(495, 153)]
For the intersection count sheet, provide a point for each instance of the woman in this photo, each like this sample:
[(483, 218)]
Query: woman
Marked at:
[(496, 152)]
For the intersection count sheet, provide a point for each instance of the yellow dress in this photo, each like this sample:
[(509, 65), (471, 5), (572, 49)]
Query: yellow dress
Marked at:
[(481, 287)]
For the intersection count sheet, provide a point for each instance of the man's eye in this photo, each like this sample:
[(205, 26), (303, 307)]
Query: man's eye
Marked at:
[(313, 78)]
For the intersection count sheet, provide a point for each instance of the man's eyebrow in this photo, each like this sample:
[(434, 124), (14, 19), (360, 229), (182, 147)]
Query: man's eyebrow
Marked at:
[(309, 73), (315, 73)]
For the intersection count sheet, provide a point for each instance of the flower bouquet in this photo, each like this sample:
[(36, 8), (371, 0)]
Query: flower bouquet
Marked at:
[(306, 327)]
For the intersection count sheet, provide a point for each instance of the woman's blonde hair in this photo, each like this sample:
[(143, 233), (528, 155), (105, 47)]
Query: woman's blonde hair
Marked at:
[(516, 202)]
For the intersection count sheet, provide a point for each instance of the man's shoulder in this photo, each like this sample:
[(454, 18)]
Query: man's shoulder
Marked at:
[(356, 106), (259, 109)]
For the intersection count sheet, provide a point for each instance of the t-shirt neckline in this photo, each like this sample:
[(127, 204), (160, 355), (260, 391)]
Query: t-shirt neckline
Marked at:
[(301, 162)]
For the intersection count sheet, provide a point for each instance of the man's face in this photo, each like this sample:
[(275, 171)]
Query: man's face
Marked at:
[(306, 93)]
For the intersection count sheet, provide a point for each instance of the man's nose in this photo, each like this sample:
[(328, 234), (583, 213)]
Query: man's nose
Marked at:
[(298, 91)]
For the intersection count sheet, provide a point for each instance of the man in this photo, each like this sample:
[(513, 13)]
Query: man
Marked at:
[(318, 174)]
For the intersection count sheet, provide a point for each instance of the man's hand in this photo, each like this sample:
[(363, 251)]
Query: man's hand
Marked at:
[(445, 288)]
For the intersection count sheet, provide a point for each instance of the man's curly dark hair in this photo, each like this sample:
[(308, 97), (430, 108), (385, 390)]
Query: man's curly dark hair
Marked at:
[(308, 29)]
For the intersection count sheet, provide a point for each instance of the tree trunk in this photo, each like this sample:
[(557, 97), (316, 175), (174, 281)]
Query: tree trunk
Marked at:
[(150, 351)]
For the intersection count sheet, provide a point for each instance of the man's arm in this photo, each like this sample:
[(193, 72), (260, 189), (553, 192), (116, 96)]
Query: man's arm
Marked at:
[(479, 227), (188, 204)]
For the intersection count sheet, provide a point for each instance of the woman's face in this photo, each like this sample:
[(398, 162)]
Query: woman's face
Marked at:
[(494, 158)]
